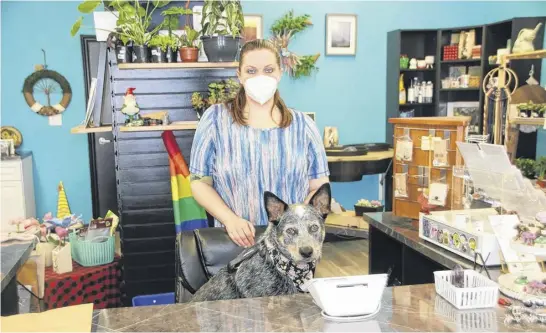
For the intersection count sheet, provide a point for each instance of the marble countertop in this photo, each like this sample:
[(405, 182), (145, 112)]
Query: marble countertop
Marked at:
[(14, 254), (404, 308)]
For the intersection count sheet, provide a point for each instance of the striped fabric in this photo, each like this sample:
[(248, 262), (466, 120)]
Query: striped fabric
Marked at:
[(188, 214), (244, 161)]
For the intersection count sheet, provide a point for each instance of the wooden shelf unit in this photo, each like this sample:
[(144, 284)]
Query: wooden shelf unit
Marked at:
[(178, 126), (87, 130), (528, 121), (189, 65)]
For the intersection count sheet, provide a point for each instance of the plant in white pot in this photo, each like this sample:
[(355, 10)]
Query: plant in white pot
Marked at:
[(133, 23), (223, 24)]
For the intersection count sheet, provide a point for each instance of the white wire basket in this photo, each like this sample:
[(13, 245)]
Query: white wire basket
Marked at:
[(478, 292), (475, 320)]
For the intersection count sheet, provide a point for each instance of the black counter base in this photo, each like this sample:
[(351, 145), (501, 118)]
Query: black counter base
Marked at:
[(406, 265)]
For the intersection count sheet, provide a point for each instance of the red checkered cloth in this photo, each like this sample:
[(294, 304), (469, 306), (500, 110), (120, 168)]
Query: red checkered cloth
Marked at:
[(99, 285)]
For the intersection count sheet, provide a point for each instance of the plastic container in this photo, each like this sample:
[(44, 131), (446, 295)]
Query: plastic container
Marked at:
[(156, 299), (92, 253), (478, 292)]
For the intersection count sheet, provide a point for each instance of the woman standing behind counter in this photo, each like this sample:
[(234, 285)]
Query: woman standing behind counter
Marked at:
[(253, 144)]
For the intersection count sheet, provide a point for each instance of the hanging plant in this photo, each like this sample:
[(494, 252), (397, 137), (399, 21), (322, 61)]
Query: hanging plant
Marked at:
[(284, 30)]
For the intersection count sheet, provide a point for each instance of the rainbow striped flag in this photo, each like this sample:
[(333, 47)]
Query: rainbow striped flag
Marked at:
[(188, 214)]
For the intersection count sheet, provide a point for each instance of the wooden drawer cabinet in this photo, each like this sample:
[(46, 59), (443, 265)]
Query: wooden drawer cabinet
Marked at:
[(16, 190)]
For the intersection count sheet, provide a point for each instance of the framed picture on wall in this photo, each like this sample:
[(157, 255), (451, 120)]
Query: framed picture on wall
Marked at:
[(466, 109), (341, 34), (254, 27)]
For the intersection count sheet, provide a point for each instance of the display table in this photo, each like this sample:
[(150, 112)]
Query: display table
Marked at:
[(395, 244), (99, 285), (404, 308), (14, 255)]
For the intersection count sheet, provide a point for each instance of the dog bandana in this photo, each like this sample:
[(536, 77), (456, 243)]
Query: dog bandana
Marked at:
[(299, 274)]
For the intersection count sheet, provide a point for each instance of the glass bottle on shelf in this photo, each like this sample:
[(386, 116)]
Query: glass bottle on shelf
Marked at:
[(428, 92), (411, 93), (420, 96), (402, 90)]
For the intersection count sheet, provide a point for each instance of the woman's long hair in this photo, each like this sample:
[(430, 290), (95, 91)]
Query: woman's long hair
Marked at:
[(237, 105)]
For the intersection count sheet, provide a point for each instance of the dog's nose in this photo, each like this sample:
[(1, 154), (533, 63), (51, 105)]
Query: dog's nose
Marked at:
[(306, 251)]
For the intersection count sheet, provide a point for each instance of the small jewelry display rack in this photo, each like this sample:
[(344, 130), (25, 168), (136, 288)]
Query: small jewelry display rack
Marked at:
[(425, 151)]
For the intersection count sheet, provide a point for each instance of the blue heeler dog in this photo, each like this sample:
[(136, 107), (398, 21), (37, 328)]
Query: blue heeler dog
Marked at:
[(282, 260)]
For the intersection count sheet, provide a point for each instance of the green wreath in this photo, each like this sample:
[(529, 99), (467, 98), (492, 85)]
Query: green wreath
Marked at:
[(48, 82)]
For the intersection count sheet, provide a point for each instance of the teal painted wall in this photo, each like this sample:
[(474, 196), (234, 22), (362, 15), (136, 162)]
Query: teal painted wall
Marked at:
[(58, 155), (354, 101)]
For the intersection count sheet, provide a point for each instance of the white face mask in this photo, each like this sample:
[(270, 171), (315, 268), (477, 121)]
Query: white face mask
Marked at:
[(261, 88)]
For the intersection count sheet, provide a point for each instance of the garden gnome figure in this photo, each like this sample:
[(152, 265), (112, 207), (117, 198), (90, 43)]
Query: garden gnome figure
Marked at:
[(130, 107)]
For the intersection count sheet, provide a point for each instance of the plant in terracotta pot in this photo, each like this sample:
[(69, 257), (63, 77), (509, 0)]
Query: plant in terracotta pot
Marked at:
[(219, 92), (366, 206), (223, 24), (189, 45), (158, 47), (526, 166), (540, 170)]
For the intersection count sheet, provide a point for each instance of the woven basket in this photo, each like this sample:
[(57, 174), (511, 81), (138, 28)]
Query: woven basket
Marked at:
[(89, 254)]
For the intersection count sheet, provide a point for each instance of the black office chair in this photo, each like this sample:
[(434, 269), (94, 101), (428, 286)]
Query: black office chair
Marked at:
[(200, 254)]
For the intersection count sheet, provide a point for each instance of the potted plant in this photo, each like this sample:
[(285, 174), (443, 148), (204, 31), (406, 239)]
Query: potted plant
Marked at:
[(535, 110), (223, 24), (189, 50), (158, 48), (172, 48), (526, 166), (219, 92), (540, 170), (524, 110), (542, 110), (365, 206), (132, 25), (171, 22)]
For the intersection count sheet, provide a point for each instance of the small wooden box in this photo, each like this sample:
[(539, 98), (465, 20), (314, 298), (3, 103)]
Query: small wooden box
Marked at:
[(452, 128)]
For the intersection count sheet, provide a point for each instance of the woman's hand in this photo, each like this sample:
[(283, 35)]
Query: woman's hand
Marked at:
[(241, 232)]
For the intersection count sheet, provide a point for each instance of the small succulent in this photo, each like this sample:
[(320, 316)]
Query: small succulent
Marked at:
[(367, 203)]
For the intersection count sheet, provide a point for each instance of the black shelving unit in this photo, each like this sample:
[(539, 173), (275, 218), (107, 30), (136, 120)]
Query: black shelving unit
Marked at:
[(420, 43)]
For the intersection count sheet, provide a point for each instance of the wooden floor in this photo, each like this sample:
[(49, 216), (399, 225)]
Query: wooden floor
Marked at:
[(347, 257)]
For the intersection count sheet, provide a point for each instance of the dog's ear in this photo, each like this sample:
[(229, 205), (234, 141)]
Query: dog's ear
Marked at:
[(322, 199), (274, 206)]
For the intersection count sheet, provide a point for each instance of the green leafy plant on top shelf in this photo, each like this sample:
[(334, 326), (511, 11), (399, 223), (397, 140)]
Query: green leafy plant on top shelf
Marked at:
[(219, 92), (222, 17), (160, 41), (526, 166), (189, 38), (133, 18), (172, 15)]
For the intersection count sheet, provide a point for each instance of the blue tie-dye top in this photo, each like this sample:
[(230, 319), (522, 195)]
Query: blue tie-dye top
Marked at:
[(244, 161)]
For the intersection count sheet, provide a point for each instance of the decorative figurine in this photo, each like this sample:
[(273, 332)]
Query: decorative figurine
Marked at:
[(429, 60), (413, 63), (404, 61), (130, 109), (524, 42)]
